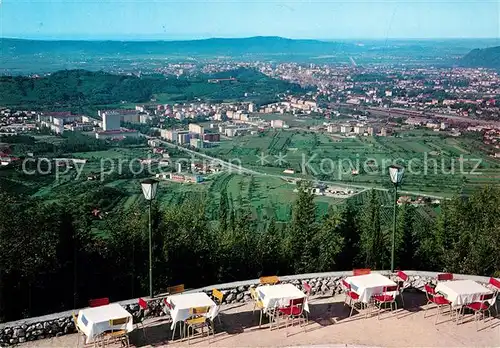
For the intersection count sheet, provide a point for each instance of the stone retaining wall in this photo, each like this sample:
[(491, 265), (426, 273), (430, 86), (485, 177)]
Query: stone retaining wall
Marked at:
[(322, 284)]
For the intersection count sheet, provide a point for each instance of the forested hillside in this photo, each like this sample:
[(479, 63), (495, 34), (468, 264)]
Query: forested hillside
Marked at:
[(50, 258), (81, 88)]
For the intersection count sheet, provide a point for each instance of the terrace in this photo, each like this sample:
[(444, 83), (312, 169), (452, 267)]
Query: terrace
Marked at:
[(329, 322)]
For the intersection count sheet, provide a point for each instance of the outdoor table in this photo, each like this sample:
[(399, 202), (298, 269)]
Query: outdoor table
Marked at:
[(95, 321), (280, 295), (181, 303), (367, 285), (462, 292)]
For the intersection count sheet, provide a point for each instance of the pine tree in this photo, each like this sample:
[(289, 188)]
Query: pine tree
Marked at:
[(303, 229), (223, 210), (372, 238), (329, 240)]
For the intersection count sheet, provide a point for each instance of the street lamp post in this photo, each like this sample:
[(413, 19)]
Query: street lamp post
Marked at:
[(149, 187), (396, 174)]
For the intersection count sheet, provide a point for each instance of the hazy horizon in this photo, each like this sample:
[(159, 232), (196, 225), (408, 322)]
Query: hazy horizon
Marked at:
[(147, 20)]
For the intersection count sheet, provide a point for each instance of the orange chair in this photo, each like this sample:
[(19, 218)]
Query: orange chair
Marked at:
[(219, 296), (270, 280), (198, 320), (176, 289), (361, 271)]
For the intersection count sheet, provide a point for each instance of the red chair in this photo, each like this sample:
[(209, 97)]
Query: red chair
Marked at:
[(386, 297), (495, 283), (361, 271), (349, 294), (438, 300), (139, 320), (307, 291), (295, 310), (99, 302), (482, 306), (441, 277), (402, 278)]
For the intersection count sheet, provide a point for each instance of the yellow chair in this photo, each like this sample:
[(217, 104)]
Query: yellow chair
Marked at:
[(198, 320), (257, 303), (117, 335), (79, 332), (270, 280), (176, 289), (219, 296)]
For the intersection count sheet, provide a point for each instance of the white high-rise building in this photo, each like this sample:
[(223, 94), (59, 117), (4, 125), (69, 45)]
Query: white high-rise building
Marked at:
[(110, 121)]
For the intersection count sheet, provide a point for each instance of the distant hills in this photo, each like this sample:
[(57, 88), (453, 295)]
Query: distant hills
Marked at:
[(20, 56), (486, 58), (215, 46)]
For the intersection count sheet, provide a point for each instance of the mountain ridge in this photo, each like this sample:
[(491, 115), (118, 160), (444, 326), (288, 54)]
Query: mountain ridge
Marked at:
[(483, 57)]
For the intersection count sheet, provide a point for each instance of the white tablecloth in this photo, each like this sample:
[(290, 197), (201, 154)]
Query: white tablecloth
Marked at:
[(279, 295), (462, 292), (183, 302), (367, 285), (94, 321)]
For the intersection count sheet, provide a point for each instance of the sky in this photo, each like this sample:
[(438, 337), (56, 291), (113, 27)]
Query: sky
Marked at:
[(315, 19)]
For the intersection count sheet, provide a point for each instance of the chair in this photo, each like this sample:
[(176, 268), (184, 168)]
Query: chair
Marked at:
[(441, 277), (349, 294), (176, 289), (402, 278), (115, 335), (77, 328), (438, 300), (495, 284), (99, 302), (257, 303), (386, 298), (307, 291), (139, 320), (295, 310), (167, 308), (482, 306), (197, 320), (219, 296), (361, 271), (270, 280)]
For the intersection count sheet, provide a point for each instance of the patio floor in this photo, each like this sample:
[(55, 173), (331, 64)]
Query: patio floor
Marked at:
[(329, 326)]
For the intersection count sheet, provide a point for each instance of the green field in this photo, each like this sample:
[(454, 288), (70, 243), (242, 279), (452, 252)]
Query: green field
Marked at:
[(435, 164)]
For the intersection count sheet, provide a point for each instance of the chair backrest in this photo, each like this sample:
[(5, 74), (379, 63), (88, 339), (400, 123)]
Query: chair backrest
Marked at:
[(391, 288), (495, 282), (198, 310), (143, 304), (99, 302), (486, 297), (307, 288), (429, 290), (444, 276), (297, 303), (269, 280), (253, 294), (119, 321), (169, 305), (176, 289), (75, 321), (402, 275), (361, 271), (218, 295), (346, 285)]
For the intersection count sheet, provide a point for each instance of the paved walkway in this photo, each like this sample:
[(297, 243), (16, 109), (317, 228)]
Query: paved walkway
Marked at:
[(329, 326)]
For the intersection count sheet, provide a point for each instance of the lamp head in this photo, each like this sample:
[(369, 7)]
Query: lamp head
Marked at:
[(396, 174), (149, 188)]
